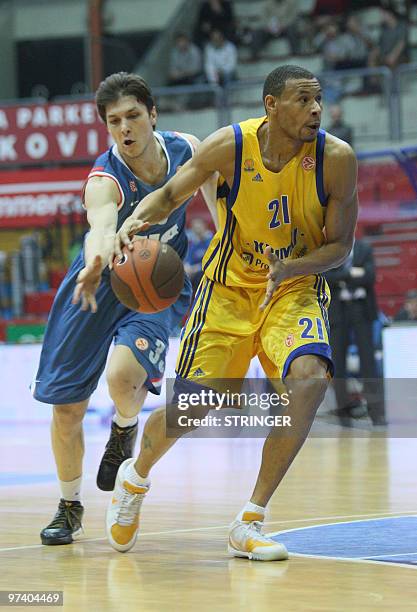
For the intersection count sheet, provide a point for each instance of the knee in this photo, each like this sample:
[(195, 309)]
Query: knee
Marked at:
[(67, 417), (124, 384), (310, 367)]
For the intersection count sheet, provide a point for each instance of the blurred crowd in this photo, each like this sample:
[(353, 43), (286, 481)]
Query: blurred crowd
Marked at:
[(334, 30)]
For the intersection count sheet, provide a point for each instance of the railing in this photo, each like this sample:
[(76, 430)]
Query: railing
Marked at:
[(389, 115), (405, 92), (239, 99)]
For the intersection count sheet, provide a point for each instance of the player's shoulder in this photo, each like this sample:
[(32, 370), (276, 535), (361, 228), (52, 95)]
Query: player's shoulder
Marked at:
[(102, 161), (223, 137), (179, 143), (337, 150)]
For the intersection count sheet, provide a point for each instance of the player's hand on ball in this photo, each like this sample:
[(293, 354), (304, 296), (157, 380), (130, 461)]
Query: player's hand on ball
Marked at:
[(88, 281), (277, 273), (125, 237)]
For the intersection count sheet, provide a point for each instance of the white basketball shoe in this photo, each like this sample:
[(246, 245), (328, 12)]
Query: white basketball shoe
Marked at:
[(122, 518)]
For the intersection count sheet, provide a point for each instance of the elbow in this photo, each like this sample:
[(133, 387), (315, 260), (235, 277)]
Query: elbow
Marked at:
[(343, 251)]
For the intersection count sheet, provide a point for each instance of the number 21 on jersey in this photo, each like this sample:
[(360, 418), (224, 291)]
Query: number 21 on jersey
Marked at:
[(280, 209)]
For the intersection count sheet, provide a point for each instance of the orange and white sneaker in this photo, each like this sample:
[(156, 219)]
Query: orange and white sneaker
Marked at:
[(122, 518), (246, 540)]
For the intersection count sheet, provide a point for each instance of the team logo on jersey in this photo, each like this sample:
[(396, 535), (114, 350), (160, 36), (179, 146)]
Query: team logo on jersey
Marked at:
[(132, 186), (289, 340), (144, 254), (309, 163), (257, 178), (248, 257), (249, 165), (142, 344)]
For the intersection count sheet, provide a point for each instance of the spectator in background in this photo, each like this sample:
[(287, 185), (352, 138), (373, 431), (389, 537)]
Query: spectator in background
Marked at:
[(220, 59), (391, 49), (215, 15), (353, 308), (186, 62), (409, 311), (338, 127), (278, 18), (357, 44), (331, 44), (199, 238), (333, 48)]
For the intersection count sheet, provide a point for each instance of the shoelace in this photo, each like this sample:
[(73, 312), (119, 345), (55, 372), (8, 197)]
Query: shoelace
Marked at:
[(257, 526), (129, 507), (114, 447), (65, 514)]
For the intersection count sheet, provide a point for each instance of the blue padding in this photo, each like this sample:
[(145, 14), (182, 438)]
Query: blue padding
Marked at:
[(358, 539)]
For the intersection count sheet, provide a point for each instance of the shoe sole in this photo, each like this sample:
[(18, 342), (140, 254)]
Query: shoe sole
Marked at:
[(64, 540), (112, 542), (120, 547), (277, 555)]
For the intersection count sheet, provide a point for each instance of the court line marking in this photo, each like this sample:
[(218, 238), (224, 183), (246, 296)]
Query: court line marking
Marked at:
[(214, 527), (354, 559), (406, 554)]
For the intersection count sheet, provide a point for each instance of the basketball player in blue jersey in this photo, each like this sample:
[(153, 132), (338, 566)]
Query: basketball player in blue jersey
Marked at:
[(287, 214), (77, 340)]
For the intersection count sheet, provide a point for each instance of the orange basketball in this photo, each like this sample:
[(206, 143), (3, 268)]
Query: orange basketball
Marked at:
[(149, 278)]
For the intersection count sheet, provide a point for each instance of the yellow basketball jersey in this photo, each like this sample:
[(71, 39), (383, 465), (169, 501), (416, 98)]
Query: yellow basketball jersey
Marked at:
[(284, 210)]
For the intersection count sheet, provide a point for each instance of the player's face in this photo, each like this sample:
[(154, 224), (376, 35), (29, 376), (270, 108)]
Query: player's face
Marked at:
[(131, 126), (298, 110)]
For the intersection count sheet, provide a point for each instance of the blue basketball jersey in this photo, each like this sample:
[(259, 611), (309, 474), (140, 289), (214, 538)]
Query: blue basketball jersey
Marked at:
[(178, 151), (76, 343)]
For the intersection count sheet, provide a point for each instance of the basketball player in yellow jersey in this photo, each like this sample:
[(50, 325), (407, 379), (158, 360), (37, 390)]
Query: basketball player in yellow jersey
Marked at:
[(287, 214)]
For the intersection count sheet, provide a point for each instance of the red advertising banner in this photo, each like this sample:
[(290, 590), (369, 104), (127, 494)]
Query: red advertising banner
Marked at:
[(35, 198), (63, 131)]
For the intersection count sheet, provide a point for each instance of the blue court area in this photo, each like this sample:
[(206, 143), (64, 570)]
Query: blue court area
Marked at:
[(391, 540), (12, 478)]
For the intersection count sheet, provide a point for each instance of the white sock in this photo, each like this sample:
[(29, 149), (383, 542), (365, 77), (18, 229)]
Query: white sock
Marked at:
[(250, 507), (71, 491), (121, 421), (136, 479)]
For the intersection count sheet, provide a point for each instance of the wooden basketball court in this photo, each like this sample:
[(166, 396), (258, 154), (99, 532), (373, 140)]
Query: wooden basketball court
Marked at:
[(180, 561)]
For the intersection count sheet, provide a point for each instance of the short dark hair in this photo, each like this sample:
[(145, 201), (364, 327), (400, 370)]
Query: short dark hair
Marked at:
[(123, 84), (275, 81)]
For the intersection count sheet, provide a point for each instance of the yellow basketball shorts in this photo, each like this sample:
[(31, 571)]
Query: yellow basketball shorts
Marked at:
[(226, 328)]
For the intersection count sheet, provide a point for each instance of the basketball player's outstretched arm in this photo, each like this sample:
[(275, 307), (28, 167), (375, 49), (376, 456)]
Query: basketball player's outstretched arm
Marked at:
[(340, 175), (209, 188), (215, 154), (101, 197)]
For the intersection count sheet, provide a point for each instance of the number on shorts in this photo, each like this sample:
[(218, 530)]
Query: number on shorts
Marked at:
[(308, 327), (156, 354)]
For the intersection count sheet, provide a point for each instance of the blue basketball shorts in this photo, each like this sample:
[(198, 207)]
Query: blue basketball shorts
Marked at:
[(77, 342)]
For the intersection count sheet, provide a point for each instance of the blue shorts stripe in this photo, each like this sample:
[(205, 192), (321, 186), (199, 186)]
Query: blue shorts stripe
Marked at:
[(198, 331), (230, 249), (196, 314), (223, 247)]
